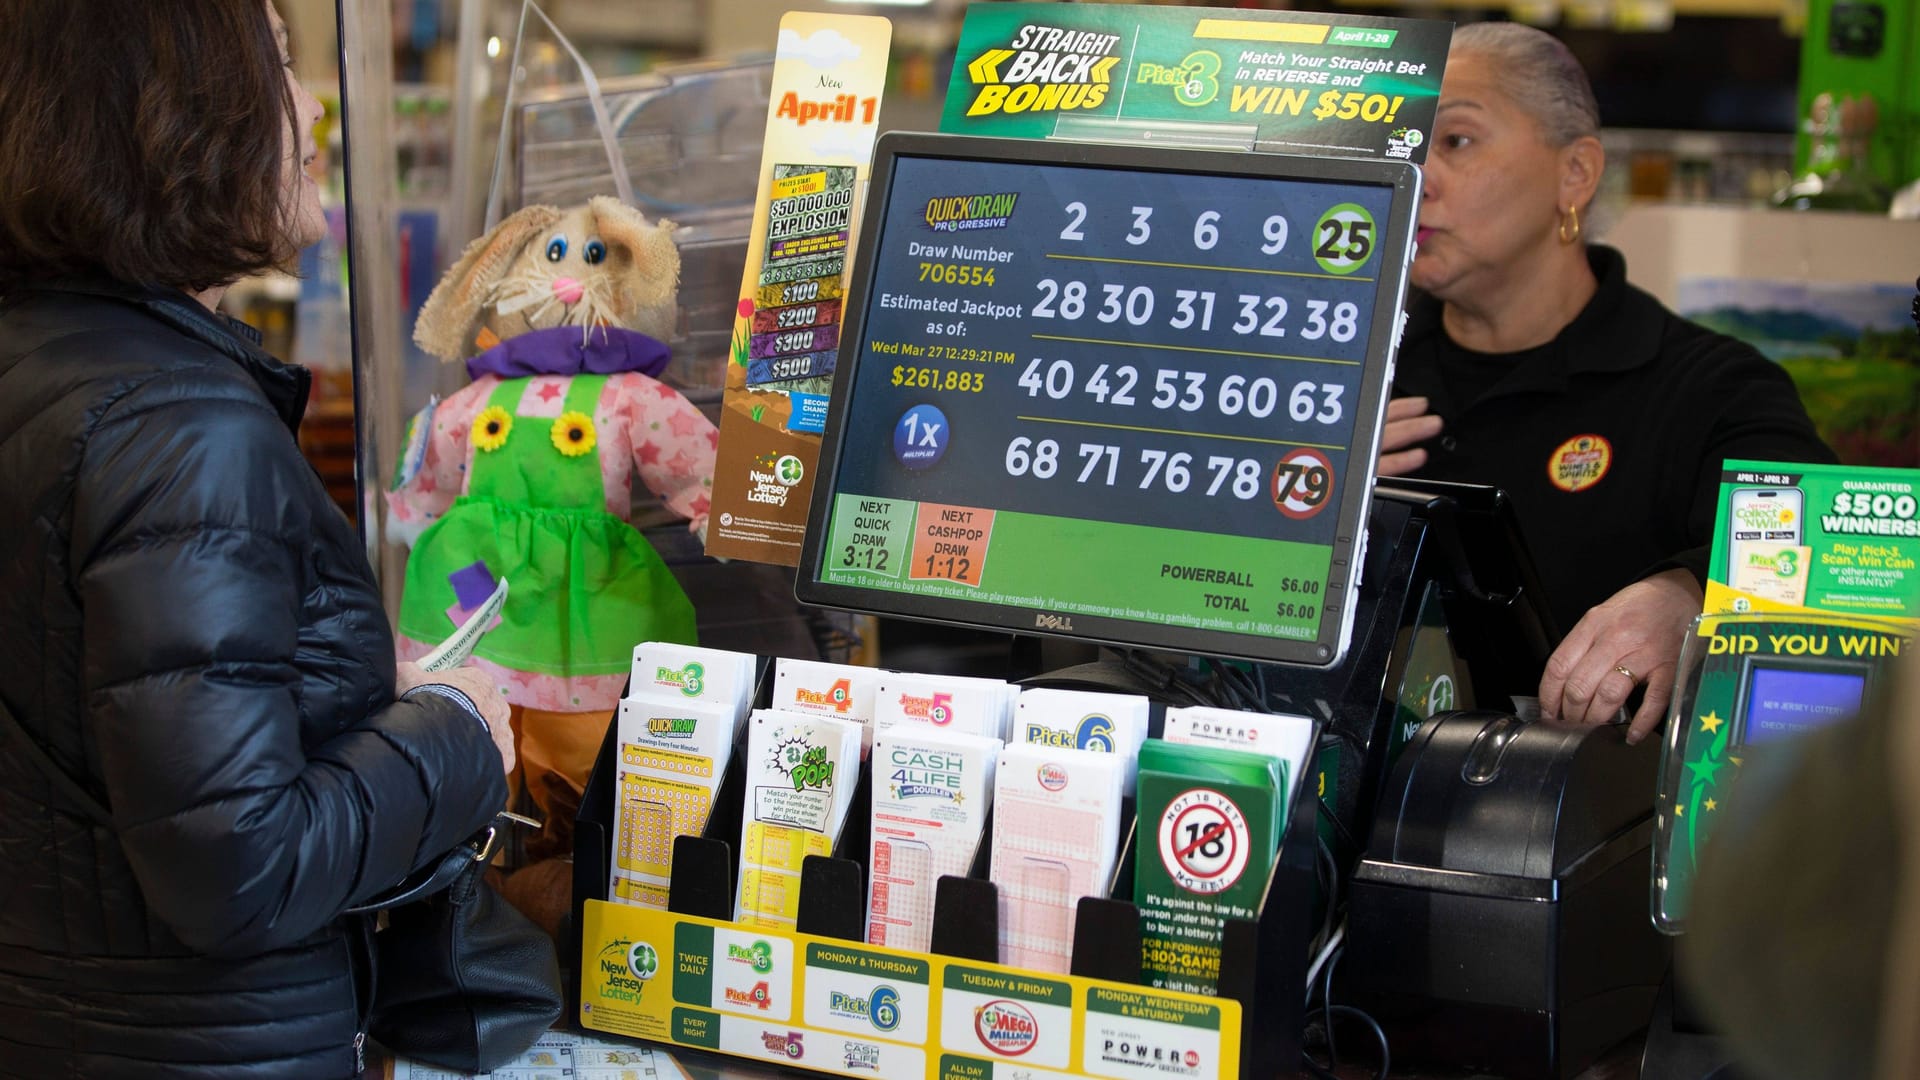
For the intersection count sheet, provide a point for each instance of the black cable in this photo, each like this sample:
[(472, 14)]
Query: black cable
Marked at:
[(1346, 834), (1332, 888), (1386, 1056), (1326, 1005)]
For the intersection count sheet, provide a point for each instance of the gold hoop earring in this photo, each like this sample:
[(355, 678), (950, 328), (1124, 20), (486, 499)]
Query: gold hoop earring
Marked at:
[(1572, 237)]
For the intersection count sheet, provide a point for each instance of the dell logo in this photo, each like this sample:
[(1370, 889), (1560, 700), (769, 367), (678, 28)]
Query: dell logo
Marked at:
[(1052, 622)]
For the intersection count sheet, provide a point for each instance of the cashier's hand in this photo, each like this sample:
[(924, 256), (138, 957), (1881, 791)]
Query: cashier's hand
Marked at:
[(479, 689), (1640, 628), (1408, 424)]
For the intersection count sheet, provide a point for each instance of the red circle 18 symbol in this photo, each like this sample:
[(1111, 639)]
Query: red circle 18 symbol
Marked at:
[(1302, 483)]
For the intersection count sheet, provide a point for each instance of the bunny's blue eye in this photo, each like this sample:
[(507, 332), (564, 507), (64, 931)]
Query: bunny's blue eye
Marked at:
[(596, 253), (556, 249)]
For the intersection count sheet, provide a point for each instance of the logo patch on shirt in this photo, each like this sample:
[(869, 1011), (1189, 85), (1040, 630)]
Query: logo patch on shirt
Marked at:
[(1580, 462)]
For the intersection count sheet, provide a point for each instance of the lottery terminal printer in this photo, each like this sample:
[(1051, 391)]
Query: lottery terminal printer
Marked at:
[(1498, 915)]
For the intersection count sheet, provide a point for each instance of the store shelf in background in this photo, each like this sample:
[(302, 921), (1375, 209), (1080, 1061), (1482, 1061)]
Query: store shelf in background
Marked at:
[(1665, 243), (1736, 168), (656, 22)]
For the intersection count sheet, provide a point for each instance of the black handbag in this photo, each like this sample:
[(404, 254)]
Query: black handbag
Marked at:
[(462, 980)]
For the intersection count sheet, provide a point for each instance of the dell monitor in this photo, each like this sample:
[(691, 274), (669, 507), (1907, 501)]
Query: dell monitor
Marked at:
[(1125, 393)]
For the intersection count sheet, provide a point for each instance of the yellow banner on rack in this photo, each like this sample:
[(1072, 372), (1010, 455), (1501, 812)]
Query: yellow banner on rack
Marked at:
[(858, 1010)]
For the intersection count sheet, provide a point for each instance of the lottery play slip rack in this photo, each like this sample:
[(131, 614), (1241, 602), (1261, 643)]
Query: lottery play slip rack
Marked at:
[(816, 997)]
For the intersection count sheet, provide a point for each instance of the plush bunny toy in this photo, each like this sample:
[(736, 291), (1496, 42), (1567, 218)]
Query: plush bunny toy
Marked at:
[(525, 474)]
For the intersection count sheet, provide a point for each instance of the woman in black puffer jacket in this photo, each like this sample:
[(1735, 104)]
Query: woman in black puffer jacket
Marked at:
[(188, 629)]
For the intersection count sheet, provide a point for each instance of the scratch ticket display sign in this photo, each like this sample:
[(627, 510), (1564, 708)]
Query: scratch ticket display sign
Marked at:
[(1275, 81), (828, 75)]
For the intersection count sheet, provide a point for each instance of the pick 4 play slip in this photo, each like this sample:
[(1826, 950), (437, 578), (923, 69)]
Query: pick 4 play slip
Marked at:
[(801, 772), (815, 688), (1209, 829)]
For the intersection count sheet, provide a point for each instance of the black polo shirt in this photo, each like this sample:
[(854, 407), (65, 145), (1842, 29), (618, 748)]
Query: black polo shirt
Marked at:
[(1610, 438)]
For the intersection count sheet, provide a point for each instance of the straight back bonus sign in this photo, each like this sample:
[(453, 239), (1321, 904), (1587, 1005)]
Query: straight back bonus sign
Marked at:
[(1276, 81)]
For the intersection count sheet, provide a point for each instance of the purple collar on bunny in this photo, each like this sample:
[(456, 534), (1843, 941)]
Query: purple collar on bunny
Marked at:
[(560, 350)]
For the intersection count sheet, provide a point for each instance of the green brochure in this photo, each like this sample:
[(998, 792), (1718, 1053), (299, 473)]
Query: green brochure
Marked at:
[(1209, 828), (1804, 539)]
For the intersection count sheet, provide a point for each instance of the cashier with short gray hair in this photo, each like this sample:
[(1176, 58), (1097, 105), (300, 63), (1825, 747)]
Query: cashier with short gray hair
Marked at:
[(1529, 363)]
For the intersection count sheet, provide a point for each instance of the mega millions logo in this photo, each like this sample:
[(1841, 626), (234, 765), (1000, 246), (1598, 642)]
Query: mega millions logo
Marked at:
[(881, 1008), (1006, 1028), (690, 680), (1044, 69)]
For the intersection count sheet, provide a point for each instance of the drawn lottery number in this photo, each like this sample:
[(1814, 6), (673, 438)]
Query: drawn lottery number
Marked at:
[(1204, 841), (1302, 483)]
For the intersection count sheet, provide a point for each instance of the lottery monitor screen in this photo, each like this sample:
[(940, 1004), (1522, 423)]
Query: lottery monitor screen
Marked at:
[(1782, 698), (1125, 394)]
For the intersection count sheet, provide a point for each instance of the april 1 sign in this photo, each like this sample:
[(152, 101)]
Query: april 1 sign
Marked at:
[(1274, 81)]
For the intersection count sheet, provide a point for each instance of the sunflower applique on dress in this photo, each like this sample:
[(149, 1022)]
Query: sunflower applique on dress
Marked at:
[(491, 427), (573, 434)]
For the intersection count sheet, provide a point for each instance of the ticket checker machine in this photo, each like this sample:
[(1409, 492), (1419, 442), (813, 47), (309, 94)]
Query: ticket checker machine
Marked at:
[(1750, 687)]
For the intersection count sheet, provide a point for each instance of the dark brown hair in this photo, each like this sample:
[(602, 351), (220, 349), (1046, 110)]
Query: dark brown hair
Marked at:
[(140, 139)]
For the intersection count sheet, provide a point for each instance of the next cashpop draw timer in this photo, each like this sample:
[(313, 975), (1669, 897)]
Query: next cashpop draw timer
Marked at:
[(1126, 393)]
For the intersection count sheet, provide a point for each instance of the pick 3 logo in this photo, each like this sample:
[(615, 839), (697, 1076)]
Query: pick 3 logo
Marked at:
[(758, 956), (689, 680), (1006, 1027), (1044, 69)]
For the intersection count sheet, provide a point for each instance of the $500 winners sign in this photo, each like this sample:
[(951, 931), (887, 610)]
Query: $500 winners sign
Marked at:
[(1275, 81)]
